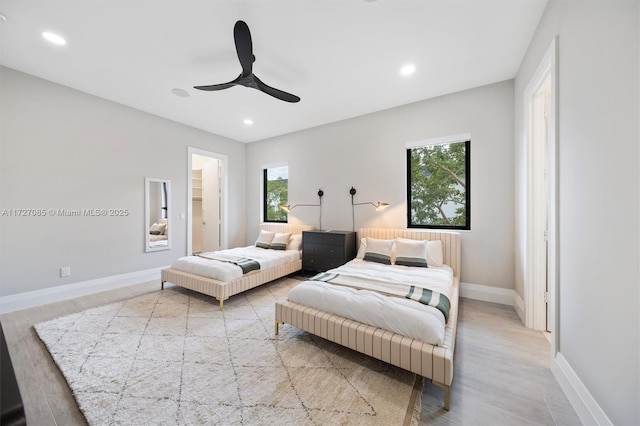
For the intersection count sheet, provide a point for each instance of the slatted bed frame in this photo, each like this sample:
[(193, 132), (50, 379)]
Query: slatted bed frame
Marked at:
[(222, 290), (432, 362)]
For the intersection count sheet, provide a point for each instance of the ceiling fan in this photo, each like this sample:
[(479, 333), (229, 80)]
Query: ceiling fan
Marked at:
[(247, 78)]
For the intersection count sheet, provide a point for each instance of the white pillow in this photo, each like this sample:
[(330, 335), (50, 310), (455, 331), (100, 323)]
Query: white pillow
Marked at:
[(378, 251), (295, 243), (280, 241), (411, 253), (434, 252), (264, 239), (157, 228), (164, 222), (362, 248)]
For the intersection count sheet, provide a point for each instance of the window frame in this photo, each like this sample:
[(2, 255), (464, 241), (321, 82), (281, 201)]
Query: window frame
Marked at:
[(466, 139), (265, 170)]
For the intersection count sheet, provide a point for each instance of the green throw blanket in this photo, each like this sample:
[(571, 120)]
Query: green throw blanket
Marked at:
[(418, 294), (246, 264)]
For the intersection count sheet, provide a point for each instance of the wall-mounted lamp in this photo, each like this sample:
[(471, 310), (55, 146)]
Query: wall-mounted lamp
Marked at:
[(379, 206), (289, 207)]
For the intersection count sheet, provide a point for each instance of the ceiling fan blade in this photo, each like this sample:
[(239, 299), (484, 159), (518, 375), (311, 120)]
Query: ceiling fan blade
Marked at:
[(220, 86), (276, 93), (244, 47), (215, 86)]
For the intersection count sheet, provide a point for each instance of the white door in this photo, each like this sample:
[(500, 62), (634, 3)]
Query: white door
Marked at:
[(211, 206)]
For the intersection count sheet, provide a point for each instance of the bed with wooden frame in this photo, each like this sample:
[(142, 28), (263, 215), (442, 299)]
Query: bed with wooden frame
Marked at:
[(222, 290), (434, 362)]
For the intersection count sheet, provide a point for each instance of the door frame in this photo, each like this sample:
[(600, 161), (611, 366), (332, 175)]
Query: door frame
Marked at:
[(535, 312), (224, 223)]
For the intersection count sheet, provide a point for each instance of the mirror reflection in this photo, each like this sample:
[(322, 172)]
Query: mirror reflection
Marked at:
[(157, 202)]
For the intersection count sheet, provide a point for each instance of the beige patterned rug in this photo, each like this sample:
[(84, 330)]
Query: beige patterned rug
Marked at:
[(171, 357)]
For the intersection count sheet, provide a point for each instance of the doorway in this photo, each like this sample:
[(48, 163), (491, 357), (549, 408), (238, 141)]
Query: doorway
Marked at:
[(541, 191), (206, 218)]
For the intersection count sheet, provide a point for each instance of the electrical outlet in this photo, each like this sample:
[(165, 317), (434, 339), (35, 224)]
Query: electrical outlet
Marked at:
[(65, 271)]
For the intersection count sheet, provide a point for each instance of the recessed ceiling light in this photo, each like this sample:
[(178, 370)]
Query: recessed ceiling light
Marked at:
[(180, 92), (247, 121), (408, 69), (54, 38)]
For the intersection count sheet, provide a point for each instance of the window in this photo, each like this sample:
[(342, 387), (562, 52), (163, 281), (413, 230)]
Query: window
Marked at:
[(276, 188), (438, 182)]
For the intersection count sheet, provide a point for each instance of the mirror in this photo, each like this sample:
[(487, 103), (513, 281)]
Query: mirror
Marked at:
[(157, 225)]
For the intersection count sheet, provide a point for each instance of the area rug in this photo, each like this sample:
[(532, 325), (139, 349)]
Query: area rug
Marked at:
[(171, 357)]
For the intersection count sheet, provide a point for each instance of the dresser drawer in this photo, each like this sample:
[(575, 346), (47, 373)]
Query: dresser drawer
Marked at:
[(323, 238), (320, 263), (315, 249)]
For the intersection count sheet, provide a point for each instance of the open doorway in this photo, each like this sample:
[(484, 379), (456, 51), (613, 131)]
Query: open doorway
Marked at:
[(206, 218), (541, 211)]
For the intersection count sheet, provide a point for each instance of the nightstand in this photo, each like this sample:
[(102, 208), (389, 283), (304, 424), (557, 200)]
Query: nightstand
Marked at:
[(322, 250)]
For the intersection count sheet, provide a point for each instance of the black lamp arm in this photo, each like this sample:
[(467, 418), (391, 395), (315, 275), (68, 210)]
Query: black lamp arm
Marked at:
[(320, 194), (360, 204)]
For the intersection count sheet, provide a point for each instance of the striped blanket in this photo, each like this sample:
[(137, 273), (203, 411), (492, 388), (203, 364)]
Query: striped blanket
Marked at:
[(394, 289), (246, 264)]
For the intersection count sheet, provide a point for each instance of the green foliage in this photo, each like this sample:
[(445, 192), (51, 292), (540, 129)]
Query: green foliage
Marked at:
[(277, 195), (438, 185)]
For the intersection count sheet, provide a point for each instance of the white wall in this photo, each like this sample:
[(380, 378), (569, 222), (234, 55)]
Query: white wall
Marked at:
[(64, 149), (599, 215), (368, 152)]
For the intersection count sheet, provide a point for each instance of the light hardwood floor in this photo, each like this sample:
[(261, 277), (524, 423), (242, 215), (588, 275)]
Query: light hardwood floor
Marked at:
[(502, 374)]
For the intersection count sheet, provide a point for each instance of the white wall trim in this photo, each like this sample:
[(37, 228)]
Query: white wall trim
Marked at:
[(537, 264), (30, 299), (224, 230), (581, 400), (518, 305), (503, 296)]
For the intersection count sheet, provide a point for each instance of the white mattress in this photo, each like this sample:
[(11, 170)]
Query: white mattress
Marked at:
[(225, 271), (403, 316)]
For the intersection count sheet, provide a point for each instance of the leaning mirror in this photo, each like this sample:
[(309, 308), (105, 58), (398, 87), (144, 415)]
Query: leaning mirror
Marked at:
[(157, 225)]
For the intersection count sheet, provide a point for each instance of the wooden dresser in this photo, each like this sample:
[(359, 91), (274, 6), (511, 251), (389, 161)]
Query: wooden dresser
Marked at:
[(323, 250)]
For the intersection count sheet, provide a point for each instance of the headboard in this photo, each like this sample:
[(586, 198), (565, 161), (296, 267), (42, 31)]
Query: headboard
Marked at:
[(450, 241), (285, 227)]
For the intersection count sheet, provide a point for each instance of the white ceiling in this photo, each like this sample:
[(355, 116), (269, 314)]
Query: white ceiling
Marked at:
[(342, 57)]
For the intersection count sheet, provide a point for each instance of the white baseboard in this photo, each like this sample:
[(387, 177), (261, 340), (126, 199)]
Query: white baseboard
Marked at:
[(519, 306), (30, 299), (487, 293), (578, 395)]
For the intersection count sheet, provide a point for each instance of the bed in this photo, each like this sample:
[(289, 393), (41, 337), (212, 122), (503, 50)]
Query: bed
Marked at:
[(430, 356), (213, 275), (159, 233)]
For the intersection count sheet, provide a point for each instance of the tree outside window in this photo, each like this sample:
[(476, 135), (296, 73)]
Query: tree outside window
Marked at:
[(438, 186), (276, 193)]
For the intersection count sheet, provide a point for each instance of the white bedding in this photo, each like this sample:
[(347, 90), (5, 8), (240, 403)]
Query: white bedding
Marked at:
[(403, 316), (225, 271)]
